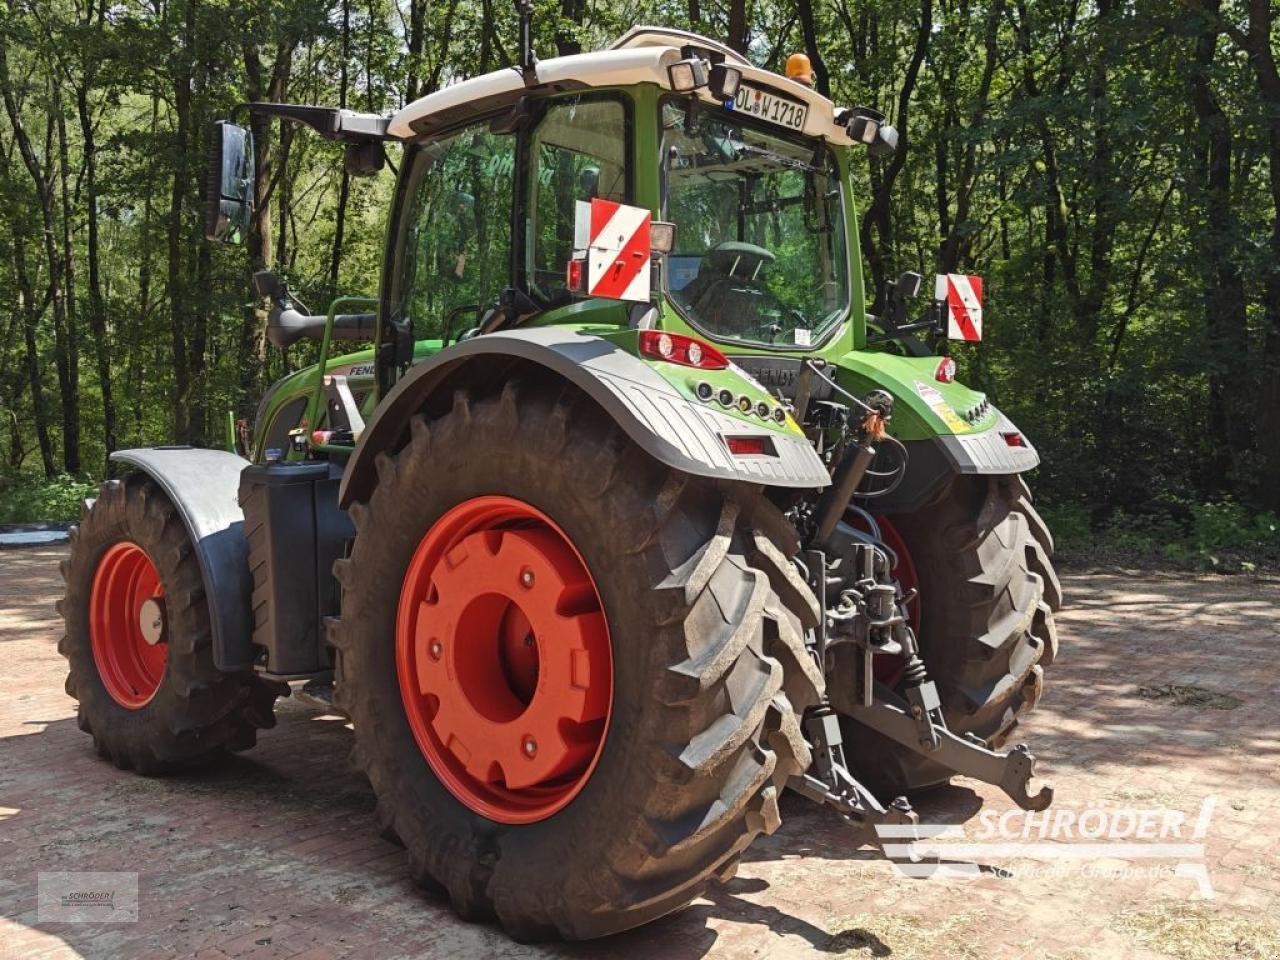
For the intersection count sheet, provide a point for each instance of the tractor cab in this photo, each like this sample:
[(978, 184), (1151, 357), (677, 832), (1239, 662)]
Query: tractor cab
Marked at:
[(717, 189), (665, 183)]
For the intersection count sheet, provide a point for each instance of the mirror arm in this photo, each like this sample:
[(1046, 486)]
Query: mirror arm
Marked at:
[(331, 123)]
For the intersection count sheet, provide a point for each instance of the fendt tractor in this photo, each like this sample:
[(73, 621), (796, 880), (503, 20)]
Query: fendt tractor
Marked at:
[(625, 517)]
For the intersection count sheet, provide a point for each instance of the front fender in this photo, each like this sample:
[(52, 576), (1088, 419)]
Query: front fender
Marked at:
[(674, 430), (203, 486)]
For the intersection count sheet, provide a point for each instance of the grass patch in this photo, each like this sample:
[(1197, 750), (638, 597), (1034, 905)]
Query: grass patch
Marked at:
[(1193, 933), (1179, 695)]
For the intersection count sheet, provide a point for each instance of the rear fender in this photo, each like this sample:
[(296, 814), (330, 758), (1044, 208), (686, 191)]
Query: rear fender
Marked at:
[(674, 430), (203, 485), (949, 429)]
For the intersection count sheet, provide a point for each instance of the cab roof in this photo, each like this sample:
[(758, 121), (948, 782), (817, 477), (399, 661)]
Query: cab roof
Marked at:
[(642, 55)]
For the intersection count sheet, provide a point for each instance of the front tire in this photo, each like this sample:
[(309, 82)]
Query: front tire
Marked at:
[(149, 706), (701, 620)]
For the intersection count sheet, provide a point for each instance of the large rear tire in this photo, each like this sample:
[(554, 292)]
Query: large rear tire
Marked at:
[(149, 706), (988, 592), (687, 621)]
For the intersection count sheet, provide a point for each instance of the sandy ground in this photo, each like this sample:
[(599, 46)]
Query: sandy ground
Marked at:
[(1166, 694)]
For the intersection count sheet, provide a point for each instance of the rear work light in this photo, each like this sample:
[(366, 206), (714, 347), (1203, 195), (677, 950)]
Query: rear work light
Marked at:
[(678, 348)]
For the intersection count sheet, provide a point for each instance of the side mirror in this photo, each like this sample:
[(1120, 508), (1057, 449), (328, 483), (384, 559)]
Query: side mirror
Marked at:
[(364, 159), (885, 143), (862, 124), (229, 187), (909, 284)]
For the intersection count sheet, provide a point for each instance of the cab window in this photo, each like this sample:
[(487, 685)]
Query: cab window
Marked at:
[(577, 152), (455, 231)]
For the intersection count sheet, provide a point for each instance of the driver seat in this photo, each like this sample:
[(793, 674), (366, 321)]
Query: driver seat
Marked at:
[(724, 292)]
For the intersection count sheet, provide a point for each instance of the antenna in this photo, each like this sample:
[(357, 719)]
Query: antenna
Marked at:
[(528, 59)]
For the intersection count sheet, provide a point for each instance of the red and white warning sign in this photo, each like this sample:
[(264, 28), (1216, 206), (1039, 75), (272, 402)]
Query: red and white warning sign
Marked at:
[(615, 238), (964, 305)]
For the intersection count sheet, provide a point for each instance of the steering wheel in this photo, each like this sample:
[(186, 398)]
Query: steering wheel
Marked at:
[(731, 290)]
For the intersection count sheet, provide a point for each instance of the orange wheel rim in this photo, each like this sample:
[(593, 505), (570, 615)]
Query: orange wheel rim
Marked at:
[(131, 669), (504, 660)]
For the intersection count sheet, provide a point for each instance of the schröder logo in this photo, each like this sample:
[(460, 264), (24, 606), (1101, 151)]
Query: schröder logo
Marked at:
[(86, 897), (1060, 841)]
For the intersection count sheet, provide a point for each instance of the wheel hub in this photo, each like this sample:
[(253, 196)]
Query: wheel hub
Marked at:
[(504, 660), (127, 629), (151, 620)]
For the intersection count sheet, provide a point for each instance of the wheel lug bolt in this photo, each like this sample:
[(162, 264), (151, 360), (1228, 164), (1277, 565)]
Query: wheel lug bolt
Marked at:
[(530, 746), (526, 577), (436, 648)]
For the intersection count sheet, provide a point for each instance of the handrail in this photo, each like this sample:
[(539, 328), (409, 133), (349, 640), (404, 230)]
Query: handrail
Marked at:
[(322, 369)]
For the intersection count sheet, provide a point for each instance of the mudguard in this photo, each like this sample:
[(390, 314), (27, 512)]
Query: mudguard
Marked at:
[(680, 433), (203, 486)]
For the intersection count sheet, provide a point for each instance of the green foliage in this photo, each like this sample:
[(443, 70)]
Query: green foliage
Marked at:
[(26, 499), (1106, 168), (1224, 536)]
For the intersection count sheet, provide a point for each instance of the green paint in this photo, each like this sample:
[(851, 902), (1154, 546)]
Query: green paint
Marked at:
[(923, 407)]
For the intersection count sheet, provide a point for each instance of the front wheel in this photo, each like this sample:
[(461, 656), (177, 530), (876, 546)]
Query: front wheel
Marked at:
[(980, 556), (138, 639), (575, 676)]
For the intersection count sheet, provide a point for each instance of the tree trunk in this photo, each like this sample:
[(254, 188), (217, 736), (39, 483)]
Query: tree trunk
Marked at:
[(737, 39), (30, 321), (571, 15), (809, 28), (70, 383), (344, 181), (42, 180), (253, 331), (1262, 56), (958, 238), (176, 287), (97, 305), (1224, 297), (878, 247), (415, 43)]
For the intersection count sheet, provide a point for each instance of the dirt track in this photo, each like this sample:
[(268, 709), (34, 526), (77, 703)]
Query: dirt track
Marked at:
[(1167, 692)]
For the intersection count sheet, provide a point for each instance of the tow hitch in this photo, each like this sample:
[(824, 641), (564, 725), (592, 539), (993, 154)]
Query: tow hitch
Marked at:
[(869, 618)]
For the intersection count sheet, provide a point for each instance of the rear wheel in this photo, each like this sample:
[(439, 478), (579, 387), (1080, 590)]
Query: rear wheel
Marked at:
[(981, 558), (575, 676), (138, 640)]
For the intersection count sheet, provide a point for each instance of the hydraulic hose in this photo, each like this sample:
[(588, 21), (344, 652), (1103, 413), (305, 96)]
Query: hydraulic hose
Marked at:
[(838, 496)]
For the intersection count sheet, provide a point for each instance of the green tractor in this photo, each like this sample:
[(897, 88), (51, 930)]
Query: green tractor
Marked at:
[(627, 517)]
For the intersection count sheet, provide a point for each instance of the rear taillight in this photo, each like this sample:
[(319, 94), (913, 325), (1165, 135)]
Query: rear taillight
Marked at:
[(576, 276), (1014, 439), (749, 446), (678, 348), (946, 371)]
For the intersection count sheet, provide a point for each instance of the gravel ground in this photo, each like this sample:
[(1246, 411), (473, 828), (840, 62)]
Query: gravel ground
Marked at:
[(1165, 694)]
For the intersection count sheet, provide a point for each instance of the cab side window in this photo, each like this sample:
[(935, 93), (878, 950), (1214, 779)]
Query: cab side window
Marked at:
[(577, 152), (456, 231)]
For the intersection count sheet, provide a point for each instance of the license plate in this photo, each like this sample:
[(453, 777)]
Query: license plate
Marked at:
[(767, 106)]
